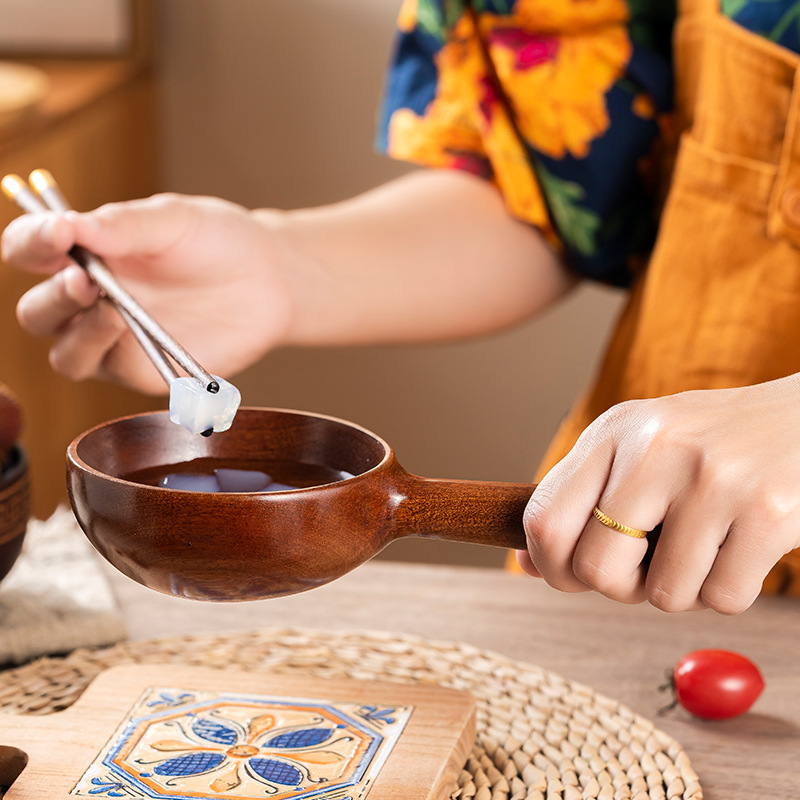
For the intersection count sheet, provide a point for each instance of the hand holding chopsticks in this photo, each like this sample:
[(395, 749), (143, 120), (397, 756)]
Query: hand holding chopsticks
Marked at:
[(191, 400)]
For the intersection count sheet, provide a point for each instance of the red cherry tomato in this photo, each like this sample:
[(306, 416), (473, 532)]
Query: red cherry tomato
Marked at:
[(716, 684)]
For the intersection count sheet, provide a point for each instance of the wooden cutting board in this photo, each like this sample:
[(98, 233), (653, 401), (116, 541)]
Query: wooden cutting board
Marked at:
[(183, 732)]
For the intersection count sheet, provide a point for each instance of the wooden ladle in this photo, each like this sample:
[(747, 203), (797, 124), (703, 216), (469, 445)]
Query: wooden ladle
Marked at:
[(250, 546)]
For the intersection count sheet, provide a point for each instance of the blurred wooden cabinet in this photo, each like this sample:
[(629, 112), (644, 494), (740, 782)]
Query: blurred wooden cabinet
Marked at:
[(95, 131)]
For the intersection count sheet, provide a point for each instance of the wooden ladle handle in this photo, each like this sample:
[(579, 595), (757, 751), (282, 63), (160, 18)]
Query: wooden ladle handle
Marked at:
[(480, 512)]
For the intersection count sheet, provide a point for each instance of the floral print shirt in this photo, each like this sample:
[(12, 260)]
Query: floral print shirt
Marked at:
[(562, 104)]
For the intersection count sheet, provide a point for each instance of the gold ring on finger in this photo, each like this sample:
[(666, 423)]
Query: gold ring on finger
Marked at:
[(636, 533)]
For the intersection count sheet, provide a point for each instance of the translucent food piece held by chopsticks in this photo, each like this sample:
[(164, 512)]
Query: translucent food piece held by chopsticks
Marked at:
[(193, 407)]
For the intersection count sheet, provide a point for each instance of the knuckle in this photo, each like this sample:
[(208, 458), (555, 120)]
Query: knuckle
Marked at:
[(63, 364), (773, 507), (544, 534), (717, 477), (667, 599), (606, 579), (660, 437), (175, 201), (106, 322), (541, 526), (723, 599), (614, 422), (166, 198), (23, 312), (619, 414), (164, 201), (595, 575), (7, 243), (564, 581), (536, 510), (649, 430)]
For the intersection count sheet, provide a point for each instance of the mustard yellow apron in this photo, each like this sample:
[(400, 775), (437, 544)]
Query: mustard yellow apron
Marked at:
[(719, 303)]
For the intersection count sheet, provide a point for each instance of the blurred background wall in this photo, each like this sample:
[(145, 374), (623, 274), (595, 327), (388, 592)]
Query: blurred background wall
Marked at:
[(273, 103)]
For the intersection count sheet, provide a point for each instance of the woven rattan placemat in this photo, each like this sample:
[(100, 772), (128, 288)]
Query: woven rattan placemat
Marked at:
[(540, 736)]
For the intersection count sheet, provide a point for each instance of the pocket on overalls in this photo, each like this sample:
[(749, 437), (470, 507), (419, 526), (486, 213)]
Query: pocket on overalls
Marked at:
[(721, 302)]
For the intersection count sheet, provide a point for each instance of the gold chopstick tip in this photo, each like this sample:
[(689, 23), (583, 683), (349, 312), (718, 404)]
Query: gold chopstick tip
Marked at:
[(12, 185), (41, 180)]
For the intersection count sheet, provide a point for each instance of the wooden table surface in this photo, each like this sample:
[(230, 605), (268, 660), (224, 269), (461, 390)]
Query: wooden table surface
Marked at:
[(620, 651)]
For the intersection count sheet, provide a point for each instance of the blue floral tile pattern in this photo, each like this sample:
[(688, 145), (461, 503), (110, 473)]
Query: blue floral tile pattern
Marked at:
[(182, 744)]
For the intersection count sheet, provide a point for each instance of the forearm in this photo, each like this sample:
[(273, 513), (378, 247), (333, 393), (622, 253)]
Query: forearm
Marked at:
[(431, 256)]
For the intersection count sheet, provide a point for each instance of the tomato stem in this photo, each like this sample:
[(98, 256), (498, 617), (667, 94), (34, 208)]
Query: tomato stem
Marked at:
[(667, 708), (668, 686)]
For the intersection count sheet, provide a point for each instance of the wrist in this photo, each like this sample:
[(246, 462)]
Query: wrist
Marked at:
[(304, 276)]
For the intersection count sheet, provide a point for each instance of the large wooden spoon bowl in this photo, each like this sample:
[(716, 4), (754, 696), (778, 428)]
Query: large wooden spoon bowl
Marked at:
[(249, 546)]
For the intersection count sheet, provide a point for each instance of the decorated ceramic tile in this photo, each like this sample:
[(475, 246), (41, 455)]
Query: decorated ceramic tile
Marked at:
[(181, 744)]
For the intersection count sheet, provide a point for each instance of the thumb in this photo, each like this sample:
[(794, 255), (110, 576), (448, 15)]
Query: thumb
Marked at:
[(144, 227), (38, 242)]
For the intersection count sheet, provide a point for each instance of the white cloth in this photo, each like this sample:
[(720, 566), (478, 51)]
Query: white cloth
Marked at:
[(56, 598)]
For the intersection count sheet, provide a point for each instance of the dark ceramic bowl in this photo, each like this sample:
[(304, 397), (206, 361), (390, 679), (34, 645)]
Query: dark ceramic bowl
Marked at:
[(15, 508)]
